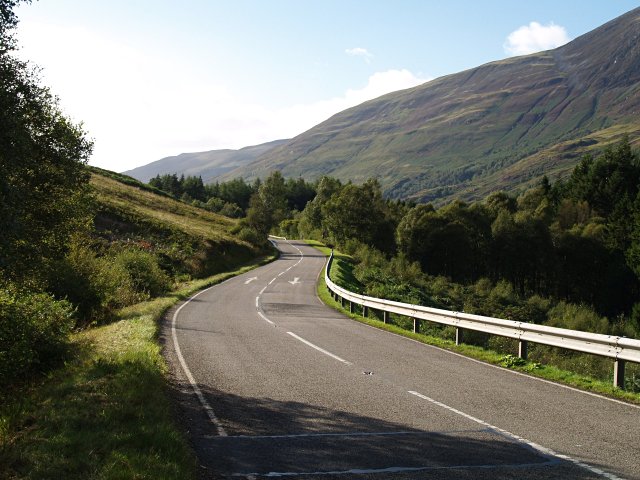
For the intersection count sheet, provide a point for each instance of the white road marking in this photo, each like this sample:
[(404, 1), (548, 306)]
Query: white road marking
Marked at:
[(250, 280), (187, 372), (364, 471), (535, 446), (320, 349), (272, 280), (296, 281), (265, 318), (257, 301), (498, 367), (348, 434)]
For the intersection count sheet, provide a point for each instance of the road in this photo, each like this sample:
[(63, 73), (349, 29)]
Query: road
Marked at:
[(270, 382)]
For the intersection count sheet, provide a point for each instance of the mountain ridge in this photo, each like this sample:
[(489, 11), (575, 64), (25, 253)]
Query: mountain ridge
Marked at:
[(208, 164), (502, 125)]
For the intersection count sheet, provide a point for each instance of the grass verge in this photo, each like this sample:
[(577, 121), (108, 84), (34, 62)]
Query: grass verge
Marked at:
[(106, 413), (340, 273)]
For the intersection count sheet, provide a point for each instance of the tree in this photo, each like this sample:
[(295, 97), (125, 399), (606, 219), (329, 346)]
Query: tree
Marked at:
[(43, 183), (268, 206), (359, 212)]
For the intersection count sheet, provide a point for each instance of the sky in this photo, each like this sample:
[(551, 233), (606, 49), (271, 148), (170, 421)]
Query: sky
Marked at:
[(154, 78)]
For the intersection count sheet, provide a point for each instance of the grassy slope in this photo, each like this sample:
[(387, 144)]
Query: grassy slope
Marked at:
[(106, 413), (341, 274), (164, 212)]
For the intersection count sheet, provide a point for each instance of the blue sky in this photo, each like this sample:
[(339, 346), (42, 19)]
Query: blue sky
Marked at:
[(151, 79)]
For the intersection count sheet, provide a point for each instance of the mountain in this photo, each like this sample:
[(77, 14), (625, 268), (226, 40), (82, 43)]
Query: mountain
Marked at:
[(208, 165), (502, 125)]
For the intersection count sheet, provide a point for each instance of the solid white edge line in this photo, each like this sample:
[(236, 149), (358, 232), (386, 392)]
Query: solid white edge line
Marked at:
[(498, 367), (535, 446), (320, 349), (203, 401), (265, 318)]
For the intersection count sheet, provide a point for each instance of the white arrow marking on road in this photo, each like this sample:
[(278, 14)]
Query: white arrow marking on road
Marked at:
[(250, 280), (295, 281)]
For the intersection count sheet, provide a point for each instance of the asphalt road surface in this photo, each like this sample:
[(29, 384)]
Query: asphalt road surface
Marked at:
[(272, 383)]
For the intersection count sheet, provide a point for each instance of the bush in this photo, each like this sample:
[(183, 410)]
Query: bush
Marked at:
[(577, 317), (95, 285), (98, 285), (34, 329), (146, 276), (250, 235)]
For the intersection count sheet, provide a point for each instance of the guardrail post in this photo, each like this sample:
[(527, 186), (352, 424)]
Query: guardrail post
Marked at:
[(343, 302), (459, 335), (618, 374), (365, 311), (416, 325), (523, 349), (385, 317), (351, 307)]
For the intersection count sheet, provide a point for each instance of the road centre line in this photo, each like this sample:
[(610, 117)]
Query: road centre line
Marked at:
[(539, 448), (498, 367), (320, 349)]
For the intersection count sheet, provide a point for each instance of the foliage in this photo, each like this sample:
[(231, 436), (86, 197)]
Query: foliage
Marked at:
[(34, 329), (106, 408), (233, 198), (43, 183)]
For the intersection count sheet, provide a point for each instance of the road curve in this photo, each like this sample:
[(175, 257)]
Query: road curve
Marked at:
[(272, 383)]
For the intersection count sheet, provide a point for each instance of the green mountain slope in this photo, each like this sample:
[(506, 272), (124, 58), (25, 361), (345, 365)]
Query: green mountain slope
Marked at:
[(207, 165), (189, 239), (502, 125)]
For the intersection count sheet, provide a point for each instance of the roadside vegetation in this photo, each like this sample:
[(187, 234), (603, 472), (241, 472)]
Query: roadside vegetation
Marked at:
[(563, 255), (89, 262), (444, 337)]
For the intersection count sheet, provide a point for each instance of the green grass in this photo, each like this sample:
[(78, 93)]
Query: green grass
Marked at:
[(547, 372), (140, 203), (106, 413)]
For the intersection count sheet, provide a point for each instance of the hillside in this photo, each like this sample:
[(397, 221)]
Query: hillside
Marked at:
[(208, 165), (189, 239), (502, 125)]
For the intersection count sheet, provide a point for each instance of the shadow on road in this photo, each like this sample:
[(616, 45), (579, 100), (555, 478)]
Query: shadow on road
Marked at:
[(268, 437)]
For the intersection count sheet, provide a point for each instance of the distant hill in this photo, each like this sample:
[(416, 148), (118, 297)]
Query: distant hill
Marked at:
[(502, 125), (208, 165)]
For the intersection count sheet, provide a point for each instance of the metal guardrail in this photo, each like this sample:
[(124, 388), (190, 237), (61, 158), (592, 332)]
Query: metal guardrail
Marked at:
[(620, 349)]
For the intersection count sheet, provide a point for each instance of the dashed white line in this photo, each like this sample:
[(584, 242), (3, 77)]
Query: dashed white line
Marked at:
[(535, 446), (320, 349)]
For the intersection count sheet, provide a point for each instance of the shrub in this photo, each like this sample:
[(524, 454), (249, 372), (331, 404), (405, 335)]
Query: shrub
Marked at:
[(577, 317), (146, 276), (34, 328), (250, 235), (95, 285)]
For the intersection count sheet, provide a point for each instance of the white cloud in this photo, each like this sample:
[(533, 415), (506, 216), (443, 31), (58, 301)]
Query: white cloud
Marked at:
[(535, 38), (360, 52), (140, 108)]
